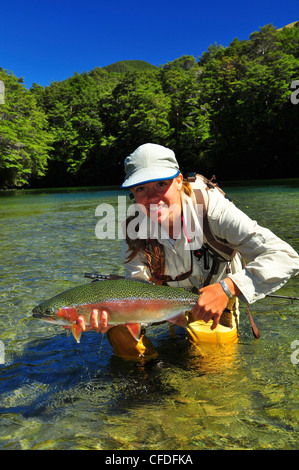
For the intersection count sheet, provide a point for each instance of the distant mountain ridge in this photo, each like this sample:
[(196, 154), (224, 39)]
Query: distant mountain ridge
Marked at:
[(290, 25), (124, 66)]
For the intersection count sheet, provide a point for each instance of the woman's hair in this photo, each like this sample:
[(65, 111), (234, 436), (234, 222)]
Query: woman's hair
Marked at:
[(152, 250)]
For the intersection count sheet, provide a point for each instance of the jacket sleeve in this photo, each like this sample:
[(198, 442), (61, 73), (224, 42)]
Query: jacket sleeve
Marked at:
[(270, 261), (136, 268)]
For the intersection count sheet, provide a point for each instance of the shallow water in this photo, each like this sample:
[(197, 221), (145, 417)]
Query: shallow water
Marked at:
[(57, 394)]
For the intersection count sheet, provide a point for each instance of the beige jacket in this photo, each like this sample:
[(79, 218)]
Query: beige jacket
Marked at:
[(270, 261)]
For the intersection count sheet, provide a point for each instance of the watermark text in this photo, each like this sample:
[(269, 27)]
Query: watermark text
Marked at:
[(294, 358), (295, 94), (2, 92), (2, 352), (158, 221)]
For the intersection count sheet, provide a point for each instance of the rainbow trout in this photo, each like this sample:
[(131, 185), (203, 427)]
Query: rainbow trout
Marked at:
[(127, 302)]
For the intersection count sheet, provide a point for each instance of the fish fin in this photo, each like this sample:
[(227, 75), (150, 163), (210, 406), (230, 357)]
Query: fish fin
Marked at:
[(134, 329), (180, 320), (77, 331)]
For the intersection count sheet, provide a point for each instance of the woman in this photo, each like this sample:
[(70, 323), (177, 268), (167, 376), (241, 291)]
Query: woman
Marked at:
[(171, 248)]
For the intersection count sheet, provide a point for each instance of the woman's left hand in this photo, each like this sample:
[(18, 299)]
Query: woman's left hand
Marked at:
[(212, 301)]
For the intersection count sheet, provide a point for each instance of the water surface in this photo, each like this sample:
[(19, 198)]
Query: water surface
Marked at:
[(57, 394)]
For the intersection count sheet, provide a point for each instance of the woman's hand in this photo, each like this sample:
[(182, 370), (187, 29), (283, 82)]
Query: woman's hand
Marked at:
[(212, 301), (98, 321)]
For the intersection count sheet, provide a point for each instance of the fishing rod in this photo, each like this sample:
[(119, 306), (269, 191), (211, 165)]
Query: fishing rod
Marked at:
[(282, 296), (254, 328), (102, 277), (99, 277)]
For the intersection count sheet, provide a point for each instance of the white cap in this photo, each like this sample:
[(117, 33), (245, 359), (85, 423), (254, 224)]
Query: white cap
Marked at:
[(150, 162)]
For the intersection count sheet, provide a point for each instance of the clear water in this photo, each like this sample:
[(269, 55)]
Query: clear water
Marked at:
[(57, 394)]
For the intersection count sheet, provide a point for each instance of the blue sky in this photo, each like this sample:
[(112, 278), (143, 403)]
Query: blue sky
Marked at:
[(44, 41)]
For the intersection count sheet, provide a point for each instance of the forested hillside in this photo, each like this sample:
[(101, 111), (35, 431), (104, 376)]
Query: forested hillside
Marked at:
[(228, 112), (125, 66)]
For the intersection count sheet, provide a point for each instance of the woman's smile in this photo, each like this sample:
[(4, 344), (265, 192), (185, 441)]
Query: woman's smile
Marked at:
[(155, 208)]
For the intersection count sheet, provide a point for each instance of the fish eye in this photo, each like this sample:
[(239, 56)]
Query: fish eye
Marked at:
[(48, 311)]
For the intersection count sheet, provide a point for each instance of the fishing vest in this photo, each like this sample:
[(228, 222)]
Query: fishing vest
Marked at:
[(213, 247)]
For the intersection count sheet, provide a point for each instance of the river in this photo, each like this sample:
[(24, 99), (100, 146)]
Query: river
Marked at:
[(57, 394)]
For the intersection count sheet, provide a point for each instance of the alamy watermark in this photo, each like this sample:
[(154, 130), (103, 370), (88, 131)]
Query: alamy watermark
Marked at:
[(294, 358), (295, 94), (2, 352), (2, 92), (139, 222)]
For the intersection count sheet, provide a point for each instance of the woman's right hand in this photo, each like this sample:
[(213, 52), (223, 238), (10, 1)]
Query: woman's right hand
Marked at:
[(98, 321)]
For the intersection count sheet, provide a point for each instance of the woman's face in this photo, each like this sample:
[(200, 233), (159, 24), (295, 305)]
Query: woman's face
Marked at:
[(160, 200)]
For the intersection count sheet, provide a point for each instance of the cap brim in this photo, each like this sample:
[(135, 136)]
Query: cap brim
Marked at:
[(147, 175)]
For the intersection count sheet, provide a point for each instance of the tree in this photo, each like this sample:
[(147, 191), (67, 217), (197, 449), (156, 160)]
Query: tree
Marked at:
[(135, 112), (24, 137), (229, 113), (248, 89), (72, 111), (189, 117)]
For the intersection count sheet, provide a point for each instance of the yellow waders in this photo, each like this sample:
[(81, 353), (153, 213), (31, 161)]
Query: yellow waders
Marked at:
[(126, 346), (199, 332)]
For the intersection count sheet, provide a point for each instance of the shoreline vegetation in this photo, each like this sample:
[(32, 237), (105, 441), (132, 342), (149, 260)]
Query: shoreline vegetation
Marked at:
[(228, 112), (292, 182)]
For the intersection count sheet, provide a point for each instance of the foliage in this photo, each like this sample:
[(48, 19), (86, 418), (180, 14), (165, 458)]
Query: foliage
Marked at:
[(124, 66), (228, 113), (253, 125), (24, 139)]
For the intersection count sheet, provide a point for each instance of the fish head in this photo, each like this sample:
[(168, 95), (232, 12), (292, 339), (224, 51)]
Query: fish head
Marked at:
[(55, 314)]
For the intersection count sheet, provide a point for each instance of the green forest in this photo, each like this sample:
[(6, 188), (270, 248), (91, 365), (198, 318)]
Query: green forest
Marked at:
[(232, 112)]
